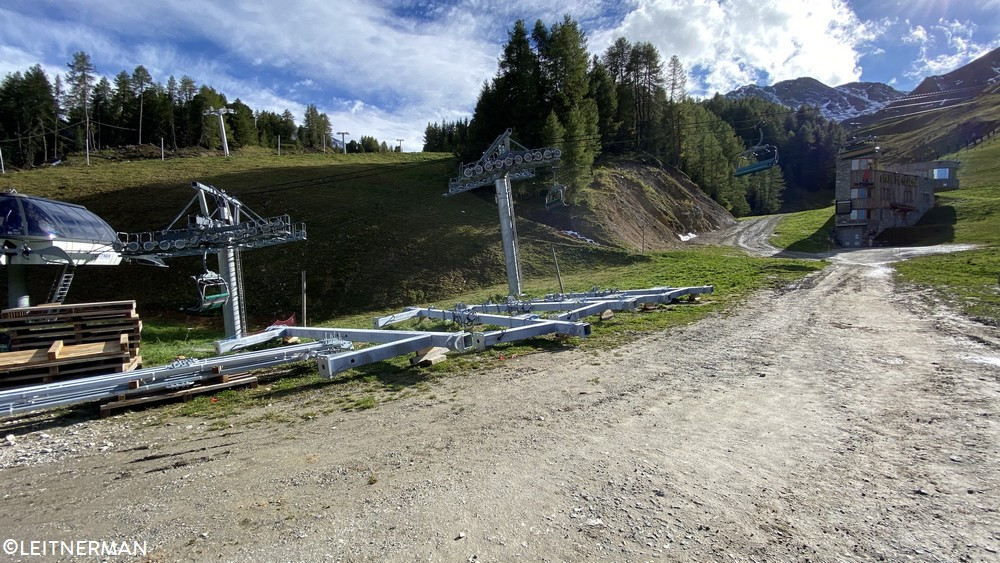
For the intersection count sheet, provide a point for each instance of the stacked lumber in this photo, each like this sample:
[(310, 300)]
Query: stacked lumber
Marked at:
[(51, 342)]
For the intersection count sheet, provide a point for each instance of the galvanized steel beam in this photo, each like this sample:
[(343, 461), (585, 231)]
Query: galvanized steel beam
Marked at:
[(178, 374)]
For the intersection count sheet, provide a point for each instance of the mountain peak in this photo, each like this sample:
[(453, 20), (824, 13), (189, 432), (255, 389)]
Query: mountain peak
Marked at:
[(838, 104)]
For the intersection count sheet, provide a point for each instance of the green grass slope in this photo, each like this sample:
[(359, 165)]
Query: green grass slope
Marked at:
[(380, 234), (969, 215), (928, 135)]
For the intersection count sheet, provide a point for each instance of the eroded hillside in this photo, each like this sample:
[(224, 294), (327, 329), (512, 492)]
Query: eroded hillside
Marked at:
[(636, 206)]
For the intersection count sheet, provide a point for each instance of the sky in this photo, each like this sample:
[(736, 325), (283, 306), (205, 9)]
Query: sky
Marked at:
[(387, 68)]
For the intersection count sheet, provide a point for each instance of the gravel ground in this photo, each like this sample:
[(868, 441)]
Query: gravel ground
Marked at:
[(839, 418)]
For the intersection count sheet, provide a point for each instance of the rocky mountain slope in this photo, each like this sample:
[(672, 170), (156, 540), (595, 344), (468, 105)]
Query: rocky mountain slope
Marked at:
[(867, 102), (838, 104)]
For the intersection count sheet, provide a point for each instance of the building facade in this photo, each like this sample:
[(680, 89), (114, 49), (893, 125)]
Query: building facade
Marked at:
[(872, 197)]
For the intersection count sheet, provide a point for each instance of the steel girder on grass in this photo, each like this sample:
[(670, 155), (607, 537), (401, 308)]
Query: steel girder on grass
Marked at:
[(386, 344), (177, 375), (570, 307), (517, 327), (333, 348)]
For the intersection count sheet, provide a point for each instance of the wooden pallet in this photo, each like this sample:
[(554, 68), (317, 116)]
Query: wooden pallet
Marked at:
[(30, 328), (32, 338), (214, 384), (98, 309), (62, 361)]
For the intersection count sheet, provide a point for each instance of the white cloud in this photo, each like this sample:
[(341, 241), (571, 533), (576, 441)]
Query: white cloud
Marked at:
[(917, 35), (949, 44), (733, 43), (388, 68)]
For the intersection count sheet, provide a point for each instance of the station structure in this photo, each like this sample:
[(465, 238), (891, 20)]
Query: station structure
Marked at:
[(872, 196)]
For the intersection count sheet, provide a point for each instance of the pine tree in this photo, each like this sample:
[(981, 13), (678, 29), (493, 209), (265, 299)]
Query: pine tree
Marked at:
[(172, 93), (101, 107), (57, 97), (605, 95), (81, 79), (121, 102), (518, 85), (242, 124), (676, 93), (141, 80), (553, 133)]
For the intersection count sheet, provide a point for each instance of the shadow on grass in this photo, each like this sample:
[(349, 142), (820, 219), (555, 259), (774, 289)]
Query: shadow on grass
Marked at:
[(937, 226), (819, 241)]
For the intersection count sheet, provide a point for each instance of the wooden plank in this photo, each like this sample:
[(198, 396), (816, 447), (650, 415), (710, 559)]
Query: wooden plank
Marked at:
[(21, 357), (97, 306), (429, 356), (41, 339), (53, 353), (68, 354)]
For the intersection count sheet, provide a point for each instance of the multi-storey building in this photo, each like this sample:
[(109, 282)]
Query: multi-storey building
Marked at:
[(872, 197)]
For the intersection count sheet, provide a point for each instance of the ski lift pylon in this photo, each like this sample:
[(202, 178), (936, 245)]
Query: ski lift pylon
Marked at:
[(757, 158)]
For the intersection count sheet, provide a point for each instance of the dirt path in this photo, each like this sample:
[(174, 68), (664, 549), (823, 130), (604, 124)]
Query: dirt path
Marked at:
[(835, 419)]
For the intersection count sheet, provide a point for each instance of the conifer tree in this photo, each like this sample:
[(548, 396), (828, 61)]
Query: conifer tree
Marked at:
[(80, 78), (141, 80)]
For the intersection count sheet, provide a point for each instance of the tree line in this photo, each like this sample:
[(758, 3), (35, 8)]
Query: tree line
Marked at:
[(628, 103), (43, 120)]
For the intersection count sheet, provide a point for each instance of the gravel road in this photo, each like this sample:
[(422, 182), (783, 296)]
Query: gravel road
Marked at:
[(839, 418)]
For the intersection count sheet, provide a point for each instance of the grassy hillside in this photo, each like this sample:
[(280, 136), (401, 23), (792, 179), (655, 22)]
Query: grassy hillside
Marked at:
[(970, 214), (380, 235), (379, 231), (805, 231), (929, 135)]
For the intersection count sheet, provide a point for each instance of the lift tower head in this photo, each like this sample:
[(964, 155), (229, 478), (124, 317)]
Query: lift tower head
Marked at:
[(498, 166)]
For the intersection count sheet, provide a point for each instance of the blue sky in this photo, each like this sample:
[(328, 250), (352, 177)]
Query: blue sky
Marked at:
[(387, 68)]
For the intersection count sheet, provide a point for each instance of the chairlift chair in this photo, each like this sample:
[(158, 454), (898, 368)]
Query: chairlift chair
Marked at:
[(556, 197), (757, 158), (213, 290)]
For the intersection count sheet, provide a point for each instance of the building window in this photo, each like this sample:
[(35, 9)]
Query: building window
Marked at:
[(859, 214), (862, 169), (940, 173), (859, 193)]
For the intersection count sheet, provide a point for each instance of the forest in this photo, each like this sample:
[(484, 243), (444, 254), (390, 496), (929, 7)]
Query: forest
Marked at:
[(628, 103), (42, 120), (625, 103)]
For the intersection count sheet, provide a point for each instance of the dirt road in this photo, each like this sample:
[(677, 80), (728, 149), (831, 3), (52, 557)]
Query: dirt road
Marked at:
[(835, 419)]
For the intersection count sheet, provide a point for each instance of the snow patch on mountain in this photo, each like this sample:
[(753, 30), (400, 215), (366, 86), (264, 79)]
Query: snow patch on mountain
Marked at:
[(838, 104)]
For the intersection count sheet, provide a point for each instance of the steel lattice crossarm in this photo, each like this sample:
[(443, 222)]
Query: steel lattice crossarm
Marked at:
[(230, 225), (500, 160)]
